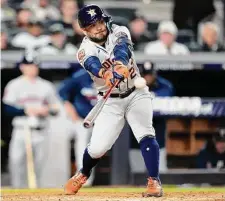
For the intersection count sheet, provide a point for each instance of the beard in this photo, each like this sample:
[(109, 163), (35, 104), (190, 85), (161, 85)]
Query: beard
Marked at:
[(100, 40)]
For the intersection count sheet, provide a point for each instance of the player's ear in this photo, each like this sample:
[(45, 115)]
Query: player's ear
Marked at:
[(84, 31)]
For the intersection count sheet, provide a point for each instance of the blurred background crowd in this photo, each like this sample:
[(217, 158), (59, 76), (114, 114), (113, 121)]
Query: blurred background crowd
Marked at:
[(158, 27), (196, 26)]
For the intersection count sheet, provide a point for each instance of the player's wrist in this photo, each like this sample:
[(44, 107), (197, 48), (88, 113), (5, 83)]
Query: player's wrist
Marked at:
[(121, 61), (121, 69), (102, 72)]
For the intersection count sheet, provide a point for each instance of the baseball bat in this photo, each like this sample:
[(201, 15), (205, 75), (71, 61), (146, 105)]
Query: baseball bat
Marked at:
[(31, 176), (93, 114)]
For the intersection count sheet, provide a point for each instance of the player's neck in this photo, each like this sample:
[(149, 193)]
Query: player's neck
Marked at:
[(29, 78), (102, 44)]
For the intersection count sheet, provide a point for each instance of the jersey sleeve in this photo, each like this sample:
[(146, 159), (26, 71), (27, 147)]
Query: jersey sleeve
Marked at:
[(9, 96), (85, 52), (88, 58), (11, 107), (123, 45), (53, 97), (120, 31)]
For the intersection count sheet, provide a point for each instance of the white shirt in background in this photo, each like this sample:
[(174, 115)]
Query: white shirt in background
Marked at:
[(26, 40), (51, 50), (158, 48)]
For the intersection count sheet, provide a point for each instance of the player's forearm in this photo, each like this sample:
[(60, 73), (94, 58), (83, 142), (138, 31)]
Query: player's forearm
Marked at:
[(71, 111), (122, 50), (13, 111), (93, 65)]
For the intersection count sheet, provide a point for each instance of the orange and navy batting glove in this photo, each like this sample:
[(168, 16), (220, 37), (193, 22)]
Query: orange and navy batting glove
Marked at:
[(110, 77), (121, 69)]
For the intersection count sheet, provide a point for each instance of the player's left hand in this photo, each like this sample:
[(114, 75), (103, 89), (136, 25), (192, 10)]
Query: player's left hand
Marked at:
[(118, 72), (121, 69), (110, 77)]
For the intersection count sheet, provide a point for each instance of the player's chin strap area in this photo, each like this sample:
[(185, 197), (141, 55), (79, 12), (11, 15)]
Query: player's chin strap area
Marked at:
[(120, 95)]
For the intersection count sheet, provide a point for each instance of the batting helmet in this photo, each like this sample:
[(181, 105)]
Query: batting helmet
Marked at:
[(90, 14), (147, 68)]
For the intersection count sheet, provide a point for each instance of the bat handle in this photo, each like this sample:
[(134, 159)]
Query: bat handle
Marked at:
[(88, 124)]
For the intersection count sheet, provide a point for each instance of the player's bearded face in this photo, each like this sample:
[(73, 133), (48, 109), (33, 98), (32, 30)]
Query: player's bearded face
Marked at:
[(97, 32)]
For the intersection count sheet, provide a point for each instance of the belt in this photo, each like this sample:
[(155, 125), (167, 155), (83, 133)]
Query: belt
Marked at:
[(119, 95), (31, 128)]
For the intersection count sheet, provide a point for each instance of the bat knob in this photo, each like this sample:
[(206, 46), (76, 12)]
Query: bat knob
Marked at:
[(88, 124)]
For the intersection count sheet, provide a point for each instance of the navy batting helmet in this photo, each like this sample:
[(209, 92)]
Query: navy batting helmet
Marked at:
[(90, 14)]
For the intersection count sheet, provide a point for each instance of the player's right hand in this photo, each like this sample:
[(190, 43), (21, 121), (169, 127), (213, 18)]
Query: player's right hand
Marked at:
[(30, 111), (43, 111), (40, 111)]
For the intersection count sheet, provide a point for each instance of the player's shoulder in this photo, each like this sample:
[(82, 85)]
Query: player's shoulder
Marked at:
[(45, 83), (119, 31), (116, 27), (164, 82), (86, 48), (14, 83), (86, 43)]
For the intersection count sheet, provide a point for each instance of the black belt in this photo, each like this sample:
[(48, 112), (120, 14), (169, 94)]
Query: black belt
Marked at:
[(119, 95), (31, 128)]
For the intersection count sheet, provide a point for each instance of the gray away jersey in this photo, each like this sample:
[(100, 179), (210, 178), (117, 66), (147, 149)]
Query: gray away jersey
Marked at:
[(105, 55), (21, 93)]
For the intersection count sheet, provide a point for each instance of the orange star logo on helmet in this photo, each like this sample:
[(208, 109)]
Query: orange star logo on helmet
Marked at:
[(91, 12)]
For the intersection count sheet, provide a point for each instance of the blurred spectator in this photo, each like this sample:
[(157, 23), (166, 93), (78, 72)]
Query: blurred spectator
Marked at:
[(15, 3), (213, 154), (5, 44), (77, 36), (58, 42), (45, 11), (139, 31), (159, 87), (32, 37), (188, 14), (68, 9), (157, 84), (23, 17), (7, 13), (166, 44), (210, 38), (80, 3)]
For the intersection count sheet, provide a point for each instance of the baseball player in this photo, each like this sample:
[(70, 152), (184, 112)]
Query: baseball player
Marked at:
[(106, 53), (29, 99), (79, 97)]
